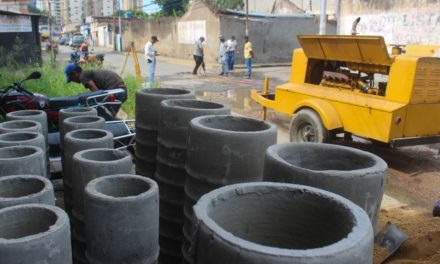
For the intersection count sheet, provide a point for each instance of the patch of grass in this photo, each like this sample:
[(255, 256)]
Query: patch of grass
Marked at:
[(53, 83)]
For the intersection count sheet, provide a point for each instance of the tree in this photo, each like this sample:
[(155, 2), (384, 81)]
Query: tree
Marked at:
[(33, 10), (172, 7), (228, 4)]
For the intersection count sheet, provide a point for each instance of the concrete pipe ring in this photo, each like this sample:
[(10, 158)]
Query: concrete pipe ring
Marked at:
[(175, 115), (226, 149), (20, 126), (71, 112), (148, 104), (281, 224), (25, 189), (21, 160), (94, 163), (114, 203), (34, 233), (355, 174), (82, 122), (34, 115), (26, 139), (78, 140)]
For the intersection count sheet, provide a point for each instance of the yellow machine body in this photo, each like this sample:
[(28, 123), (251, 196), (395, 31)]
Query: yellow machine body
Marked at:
[(355, 86)]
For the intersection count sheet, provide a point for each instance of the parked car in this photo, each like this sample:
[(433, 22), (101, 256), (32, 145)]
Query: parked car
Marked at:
[(77, 40), (63, 40)]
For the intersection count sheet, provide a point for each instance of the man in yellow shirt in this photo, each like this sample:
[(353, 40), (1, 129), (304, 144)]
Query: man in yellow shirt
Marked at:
[(248, 55)]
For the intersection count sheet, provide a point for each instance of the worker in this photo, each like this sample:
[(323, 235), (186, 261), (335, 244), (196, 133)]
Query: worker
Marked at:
[(198, 54), (95, 80), (248, 56), (223, 57), (232, 49), (150, 57)]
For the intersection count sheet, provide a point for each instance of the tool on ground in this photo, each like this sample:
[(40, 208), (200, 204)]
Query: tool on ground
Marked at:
[(388, 240), (137, 68)]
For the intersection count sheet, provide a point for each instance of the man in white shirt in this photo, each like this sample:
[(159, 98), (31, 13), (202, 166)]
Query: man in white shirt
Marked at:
[(150, 57), (198, 54), (223, 57), (232, 48)]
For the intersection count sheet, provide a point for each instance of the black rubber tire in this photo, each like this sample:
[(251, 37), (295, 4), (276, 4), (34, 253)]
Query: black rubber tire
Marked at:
[(307, 118)]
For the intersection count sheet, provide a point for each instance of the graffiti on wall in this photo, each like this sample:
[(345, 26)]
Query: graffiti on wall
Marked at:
[(398, 28)]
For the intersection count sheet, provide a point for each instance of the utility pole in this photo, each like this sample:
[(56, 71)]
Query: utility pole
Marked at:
[(338, 16), (247, 18), (323, 18), (52, 55), (120, 28)]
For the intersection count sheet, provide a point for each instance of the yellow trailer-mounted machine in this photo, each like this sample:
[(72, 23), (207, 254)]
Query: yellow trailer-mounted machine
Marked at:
[(351, 84)]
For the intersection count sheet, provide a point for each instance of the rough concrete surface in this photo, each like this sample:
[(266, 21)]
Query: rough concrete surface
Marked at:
[(21, 160), (34, 233), (71, 112), (355, 174), (34, 115), (256, 223), (25, 189), (20, 125), (223, 150), (122, 220)]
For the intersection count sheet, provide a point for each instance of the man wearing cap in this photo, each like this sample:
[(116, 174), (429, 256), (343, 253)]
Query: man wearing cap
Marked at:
[(150, 57), (95, 79), (223, 56), (198, 54)]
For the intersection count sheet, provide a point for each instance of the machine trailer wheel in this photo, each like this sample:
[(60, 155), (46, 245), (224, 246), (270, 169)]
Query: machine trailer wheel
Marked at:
[(306, 126)]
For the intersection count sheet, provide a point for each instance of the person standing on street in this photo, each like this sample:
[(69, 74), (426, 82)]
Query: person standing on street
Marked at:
[(232, 48), (223, 57), (150, 57), (198, 54), (248, 55)]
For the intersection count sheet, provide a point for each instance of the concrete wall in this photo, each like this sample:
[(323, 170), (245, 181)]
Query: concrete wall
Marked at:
[(400, 22), (166, 28), (273, 39)]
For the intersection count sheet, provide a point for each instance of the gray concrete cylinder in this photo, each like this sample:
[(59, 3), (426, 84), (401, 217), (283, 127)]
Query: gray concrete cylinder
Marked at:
[(25, 189), (223, 150), (78, 140), (83, 122), (20, 126), (34, 115), (26, 139), (147, 124), (260, 223), (175, 115), (71, 112), (122, 220), (21, 160), (34, 233), (91, 164), (355, 174)]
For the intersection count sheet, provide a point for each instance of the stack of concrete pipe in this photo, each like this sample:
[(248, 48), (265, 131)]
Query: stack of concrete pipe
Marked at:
[(21, 160), (33, 115), (28, 126), (147, 121), (25, 189), (175, 115), (26, 139), (354, 174), (90, 164), (280, 223), (78, 140), (34, 233), (72, 112), (222, 150), (122, 220)]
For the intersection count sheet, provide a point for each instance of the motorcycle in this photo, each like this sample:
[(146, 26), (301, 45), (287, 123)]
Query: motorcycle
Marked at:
[(87, 57), (15, 97)]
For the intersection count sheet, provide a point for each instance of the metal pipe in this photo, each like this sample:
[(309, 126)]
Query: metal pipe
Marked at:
[(323, 18), (247, 18)]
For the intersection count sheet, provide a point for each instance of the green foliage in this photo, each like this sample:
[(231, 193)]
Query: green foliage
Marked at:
[(53, 83), (35, 10), (172, 7), (228, 4)]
